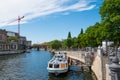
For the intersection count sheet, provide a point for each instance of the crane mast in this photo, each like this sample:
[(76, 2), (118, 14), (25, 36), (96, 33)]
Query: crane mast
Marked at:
[(19, 19)]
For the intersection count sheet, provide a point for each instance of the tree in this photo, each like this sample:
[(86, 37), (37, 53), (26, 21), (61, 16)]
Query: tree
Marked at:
[(56, 44), (12, 38), (75, 42), (69, 34), (69, 42), (81, 31), (90, 37), (79, 38), (83, 40), (93, 35), (64, 46), (110, 14)]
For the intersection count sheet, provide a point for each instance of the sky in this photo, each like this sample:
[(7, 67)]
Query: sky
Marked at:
[(47, 20)]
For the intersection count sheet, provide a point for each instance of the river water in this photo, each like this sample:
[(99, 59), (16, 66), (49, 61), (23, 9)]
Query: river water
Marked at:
[(33, 66)]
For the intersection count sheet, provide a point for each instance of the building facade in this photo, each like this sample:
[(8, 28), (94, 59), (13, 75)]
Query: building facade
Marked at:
[(28, 44), (6, 45), (3, 36)]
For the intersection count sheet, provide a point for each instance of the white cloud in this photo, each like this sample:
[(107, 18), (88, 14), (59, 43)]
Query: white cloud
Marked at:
[(10, 9)]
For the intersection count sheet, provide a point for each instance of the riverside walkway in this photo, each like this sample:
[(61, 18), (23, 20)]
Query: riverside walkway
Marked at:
[(79, 55), (82, 56), (95, 60)]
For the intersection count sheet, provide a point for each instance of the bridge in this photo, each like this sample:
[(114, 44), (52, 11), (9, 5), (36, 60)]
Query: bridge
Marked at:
[(40, 46)]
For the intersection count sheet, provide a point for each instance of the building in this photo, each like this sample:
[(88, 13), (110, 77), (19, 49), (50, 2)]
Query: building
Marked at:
[(3, 36), (9, 33), (11, 45), (3, 40), (4, 44), (22, 40), (28, 44)]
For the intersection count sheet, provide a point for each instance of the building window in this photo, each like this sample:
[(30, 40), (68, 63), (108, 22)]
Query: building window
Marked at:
[(0, 47), (0, 37)]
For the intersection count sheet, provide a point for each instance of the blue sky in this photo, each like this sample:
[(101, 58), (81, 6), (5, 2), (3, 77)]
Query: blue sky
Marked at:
[(53, 20)]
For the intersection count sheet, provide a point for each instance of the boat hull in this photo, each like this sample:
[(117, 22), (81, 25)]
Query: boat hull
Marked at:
[(57, 71)]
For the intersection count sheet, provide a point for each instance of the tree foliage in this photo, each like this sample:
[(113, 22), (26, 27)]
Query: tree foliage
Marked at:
[(56, 44), (12, 38), (110, 14), (69, 34), (69, 41), (81, 31), (75, 42)]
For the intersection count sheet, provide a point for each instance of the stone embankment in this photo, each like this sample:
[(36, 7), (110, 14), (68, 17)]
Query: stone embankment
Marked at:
[(11, 52)]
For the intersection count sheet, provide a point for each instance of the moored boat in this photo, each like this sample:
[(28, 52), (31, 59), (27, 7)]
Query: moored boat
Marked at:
[(58, 64), (28, 50)]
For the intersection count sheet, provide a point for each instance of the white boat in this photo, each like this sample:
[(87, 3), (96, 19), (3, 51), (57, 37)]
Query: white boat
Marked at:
[(28, 50), (58, 64)]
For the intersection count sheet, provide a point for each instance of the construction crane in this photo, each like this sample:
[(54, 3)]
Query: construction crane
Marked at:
[(19, 19)]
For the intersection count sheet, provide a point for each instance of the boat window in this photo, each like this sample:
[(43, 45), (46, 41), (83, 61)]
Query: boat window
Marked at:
[(56, 65), (60, 60), (50, 65), (61, 56), (63, 65)]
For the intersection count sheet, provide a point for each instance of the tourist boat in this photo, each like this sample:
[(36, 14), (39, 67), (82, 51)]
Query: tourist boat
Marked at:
[(28, 50), (58, 64)]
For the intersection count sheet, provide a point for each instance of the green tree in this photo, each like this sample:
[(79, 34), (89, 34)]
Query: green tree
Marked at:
[(110, 14), (90, 38), (83, 40), (69, 34), (69, 41), (99, 34), (64, 46), (55, 44), (81, 31), (97, 30), (75, 42), (12, 38), (79, 38), (93, 35)]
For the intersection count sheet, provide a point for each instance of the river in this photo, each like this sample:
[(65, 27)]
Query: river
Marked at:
[(32, 66)]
